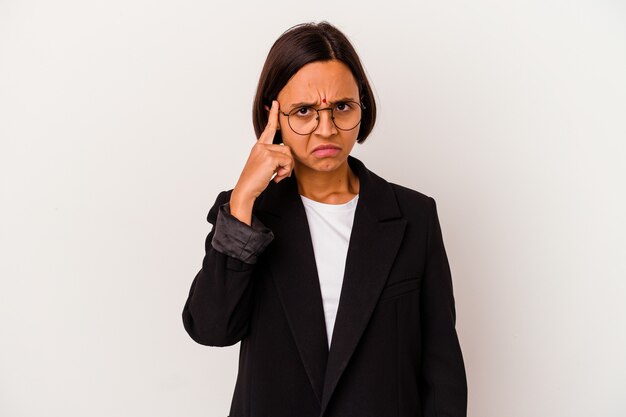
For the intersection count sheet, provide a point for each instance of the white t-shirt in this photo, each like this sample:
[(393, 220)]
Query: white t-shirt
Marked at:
[(330, 226)]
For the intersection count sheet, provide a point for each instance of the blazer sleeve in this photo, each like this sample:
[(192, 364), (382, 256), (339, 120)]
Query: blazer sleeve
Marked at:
[(219, 304), (443, 371)]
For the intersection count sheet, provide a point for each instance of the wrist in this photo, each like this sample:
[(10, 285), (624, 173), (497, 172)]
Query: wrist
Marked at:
[(241, 207)]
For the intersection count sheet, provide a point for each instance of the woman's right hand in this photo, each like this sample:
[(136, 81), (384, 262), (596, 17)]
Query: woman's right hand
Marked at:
[(265, 160)]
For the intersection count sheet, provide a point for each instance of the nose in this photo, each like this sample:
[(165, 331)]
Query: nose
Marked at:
[(325, 126)]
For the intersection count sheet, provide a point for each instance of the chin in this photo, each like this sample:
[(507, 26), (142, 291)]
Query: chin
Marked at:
[(328, 164), (324, 165)]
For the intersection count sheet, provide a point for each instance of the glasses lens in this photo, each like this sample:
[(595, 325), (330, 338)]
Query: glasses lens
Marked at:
[(346, 116), (303, 120)]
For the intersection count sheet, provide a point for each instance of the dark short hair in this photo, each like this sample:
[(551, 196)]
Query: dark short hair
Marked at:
[(301, 45)]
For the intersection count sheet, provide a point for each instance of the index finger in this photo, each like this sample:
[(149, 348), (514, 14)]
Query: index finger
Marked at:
[(267, 136)]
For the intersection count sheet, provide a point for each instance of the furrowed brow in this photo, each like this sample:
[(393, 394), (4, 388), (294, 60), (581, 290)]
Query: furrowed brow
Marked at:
[(302, 104), (342, 100)]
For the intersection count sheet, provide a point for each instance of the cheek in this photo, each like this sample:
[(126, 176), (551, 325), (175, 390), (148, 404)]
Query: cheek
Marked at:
[(296, 143), (350, 140)]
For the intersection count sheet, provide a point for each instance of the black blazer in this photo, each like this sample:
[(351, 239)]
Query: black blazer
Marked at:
[(394, 352)]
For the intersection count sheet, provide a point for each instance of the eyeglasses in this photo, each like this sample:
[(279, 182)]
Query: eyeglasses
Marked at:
[(346, 115)]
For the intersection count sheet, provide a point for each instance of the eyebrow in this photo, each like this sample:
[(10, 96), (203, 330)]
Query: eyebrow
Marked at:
[(304, 104)]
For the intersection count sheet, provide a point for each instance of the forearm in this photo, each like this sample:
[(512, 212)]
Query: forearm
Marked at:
[(218, 307)]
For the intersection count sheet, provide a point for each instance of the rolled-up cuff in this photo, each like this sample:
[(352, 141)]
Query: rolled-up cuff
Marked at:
[(236, 239)]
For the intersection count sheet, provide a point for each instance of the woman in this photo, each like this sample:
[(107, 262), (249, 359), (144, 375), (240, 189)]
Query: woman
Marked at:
[(335, 281)]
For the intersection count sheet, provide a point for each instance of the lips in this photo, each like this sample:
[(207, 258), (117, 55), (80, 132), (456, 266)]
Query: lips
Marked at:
[(326, 150)]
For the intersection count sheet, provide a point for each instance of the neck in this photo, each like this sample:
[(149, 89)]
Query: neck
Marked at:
[(334, 187)]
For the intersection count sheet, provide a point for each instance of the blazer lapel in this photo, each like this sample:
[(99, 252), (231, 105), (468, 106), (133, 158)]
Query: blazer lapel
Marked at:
[(376, 236), (295, 274)]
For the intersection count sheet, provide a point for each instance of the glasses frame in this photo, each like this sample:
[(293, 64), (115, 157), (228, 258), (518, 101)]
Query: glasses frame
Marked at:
[(332, 117)]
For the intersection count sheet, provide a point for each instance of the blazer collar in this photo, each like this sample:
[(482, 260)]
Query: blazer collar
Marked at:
[(375, 239)]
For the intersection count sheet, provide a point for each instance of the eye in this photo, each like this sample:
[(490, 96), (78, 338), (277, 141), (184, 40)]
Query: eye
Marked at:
[(302, 111), (343, 106)]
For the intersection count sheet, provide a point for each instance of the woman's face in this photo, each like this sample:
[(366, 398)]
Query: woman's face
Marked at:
[(321, 84)]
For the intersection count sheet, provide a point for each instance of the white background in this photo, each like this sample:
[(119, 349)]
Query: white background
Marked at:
[(120, 121)]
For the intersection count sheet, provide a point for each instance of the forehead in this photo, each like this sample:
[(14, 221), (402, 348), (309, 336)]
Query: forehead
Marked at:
[(318, 80)]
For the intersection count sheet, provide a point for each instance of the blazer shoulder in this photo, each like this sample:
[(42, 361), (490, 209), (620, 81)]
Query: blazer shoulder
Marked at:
[(414, 204)]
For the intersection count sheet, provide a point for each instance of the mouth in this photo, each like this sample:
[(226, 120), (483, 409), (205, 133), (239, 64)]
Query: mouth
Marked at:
[(323, 151)]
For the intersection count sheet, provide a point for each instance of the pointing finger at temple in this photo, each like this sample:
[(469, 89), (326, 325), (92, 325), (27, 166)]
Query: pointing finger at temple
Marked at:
[(267, 136)]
